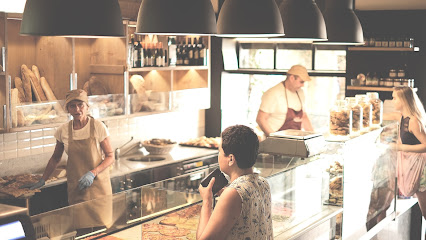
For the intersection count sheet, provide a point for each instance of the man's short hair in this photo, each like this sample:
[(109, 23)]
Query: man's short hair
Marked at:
[(243, 143)]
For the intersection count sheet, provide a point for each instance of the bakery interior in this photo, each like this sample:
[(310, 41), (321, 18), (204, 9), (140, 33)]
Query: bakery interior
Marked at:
[(326, 184)]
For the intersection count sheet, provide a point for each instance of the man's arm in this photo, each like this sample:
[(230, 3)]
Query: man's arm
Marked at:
[(262, 121), (306, 123)]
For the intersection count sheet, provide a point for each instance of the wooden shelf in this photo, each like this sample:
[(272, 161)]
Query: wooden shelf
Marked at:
[(147, 69), (366, 88), (384, 49), (313, 73)]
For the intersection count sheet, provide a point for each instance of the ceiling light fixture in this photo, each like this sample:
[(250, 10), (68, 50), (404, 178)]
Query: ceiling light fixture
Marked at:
[(72, 18), (176, 17), (343, 26), (302, 19), (249, 18)]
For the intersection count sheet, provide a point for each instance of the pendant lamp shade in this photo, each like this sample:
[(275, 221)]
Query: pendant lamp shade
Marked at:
[(73, 18), (176, 17), (302, 19), (249, 18), (343, 26)]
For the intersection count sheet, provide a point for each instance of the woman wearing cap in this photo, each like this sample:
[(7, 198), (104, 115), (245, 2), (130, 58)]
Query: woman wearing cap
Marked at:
[(83, 138), (282, 105)]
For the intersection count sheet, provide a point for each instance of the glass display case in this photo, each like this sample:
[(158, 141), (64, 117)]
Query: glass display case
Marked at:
[(28, 114), (344, 190)]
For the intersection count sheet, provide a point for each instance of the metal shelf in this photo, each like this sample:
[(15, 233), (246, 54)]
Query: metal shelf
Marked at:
[(384, 49)]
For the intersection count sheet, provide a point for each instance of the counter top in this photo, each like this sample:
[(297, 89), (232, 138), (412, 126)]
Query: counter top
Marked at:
[(125, 166)]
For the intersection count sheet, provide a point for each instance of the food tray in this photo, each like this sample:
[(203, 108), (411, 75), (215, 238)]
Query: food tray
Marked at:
[(190, 145)]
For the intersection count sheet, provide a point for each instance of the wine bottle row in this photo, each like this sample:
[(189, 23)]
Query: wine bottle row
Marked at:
[(180, 51)]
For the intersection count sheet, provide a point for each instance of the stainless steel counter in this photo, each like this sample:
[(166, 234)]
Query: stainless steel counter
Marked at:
[(125, 166), (9, 210)]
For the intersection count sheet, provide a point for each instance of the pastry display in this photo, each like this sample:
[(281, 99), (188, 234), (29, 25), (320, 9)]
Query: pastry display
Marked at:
[(178, 225), (376, 108), (10, 185), (366, 110), (340, 119), (205, 142), (335, 196)]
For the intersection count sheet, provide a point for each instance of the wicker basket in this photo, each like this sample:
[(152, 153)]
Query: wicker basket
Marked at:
[(158, 149)]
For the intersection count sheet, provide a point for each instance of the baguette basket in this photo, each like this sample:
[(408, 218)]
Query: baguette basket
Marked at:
[(158, 149)]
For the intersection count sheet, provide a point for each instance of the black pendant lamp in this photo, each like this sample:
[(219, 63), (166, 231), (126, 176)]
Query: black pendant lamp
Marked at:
[(72, 18), (249, 18), (176, 17), (303, 20), (343, 26)]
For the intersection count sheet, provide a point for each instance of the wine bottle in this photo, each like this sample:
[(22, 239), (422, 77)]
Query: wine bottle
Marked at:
[(146, 58), (172, 51), (138, 54), (142, 55), (190, 52), (179, 60), (196, 53), (185, 54), (130, 49), (202, 52), (159, 55)]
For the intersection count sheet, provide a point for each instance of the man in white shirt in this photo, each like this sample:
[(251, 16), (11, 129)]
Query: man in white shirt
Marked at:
[(282, 105)]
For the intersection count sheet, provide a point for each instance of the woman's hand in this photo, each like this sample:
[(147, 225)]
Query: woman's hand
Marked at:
[(206, 192)]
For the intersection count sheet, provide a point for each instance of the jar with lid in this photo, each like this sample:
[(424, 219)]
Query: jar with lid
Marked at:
[(388, 82), (340, 119), (408, 42), (392, 42), (376, 109), (366, 111), (375, 80), (372, 41), (378, 42), (405, 82), (392, 73), (356, 114), (385, 41), (397, 82), (399, 42), (401, 73)]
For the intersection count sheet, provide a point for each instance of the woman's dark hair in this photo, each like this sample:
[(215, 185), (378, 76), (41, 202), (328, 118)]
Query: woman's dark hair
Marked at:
[(243, 143)]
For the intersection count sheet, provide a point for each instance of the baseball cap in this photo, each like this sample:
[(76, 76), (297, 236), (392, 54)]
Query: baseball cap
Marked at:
[(300, 71), (77, 94)]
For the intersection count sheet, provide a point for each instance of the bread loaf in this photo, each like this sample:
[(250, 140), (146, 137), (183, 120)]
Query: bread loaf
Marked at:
[(35, 83), (21, 117), (36, 72), (138, 84), (26, 82), (50, 95), (14, 101), (20, 87), (96, 87)]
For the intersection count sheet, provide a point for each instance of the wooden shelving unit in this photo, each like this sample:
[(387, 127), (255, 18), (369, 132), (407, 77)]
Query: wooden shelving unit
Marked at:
[(366, 88)]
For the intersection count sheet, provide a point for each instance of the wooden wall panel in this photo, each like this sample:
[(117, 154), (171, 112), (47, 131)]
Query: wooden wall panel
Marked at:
[(54, 60), (190, 79)]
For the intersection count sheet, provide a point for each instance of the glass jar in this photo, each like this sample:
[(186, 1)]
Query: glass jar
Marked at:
[(375, 80), (392, 73), (405, 82), (356, 114), (372, 42), (378, 42), (399, 42), (401, 73), (397, 82), (392, 42), (340, 119), (385, 42), (408, 42), (366, 111), (388, 82), (376, 109)]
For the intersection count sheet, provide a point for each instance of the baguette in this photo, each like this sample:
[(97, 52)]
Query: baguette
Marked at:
[(35, 83), (21, 118), (26, 84), (36, 72), (14, 101), (21, 93), (50, 95)]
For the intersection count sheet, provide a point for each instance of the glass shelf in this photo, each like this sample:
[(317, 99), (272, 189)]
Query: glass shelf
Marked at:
[(384, 49)]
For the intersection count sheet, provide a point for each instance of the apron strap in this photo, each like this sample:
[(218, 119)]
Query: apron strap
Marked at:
[(92, 127), (70, 131), (286, 100)]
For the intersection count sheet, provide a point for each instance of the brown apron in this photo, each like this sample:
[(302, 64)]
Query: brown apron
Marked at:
[(293, 119), (83, 156)]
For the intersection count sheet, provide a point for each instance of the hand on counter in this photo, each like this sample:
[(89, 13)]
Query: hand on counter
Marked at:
[(86, 180), (33, 186)]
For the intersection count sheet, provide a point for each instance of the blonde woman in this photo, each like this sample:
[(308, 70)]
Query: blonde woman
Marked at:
[(411, 144)]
